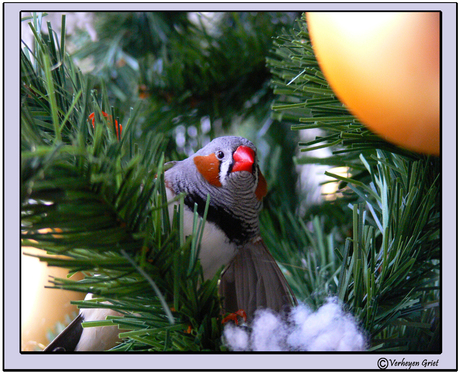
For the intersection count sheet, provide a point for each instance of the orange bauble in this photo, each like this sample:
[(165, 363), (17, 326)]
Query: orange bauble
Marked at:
[(384, 66)]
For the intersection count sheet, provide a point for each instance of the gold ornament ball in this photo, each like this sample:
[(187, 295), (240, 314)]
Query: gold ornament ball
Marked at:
[(42, 308), (384, 66)]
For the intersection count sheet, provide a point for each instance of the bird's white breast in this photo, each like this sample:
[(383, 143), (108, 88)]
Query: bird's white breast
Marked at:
[(215, 250)]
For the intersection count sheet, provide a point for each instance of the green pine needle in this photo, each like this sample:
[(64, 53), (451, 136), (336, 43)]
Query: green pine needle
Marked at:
[(96, 204), (393, 214)]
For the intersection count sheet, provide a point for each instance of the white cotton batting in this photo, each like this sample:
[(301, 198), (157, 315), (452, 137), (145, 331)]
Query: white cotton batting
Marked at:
[(268, 333), (328, 329), (239, 338)]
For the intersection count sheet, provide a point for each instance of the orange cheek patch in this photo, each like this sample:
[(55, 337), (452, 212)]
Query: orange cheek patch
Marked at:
[(261, 190), (208, 166)]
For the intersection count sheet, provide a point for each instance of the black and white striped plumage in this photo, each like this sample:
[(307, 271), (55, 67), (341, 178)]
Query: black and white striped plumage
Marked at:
[(228, 171), (234, 205)]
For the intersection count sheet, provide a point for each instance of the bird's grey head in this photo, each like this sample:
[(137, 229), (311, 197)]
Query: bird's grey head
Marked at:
[(228, 162), (228, 171)]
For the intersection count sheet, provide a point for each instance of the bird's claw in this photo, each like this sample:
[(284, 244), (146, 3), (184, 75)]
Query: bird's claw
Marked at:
[(234, 317)]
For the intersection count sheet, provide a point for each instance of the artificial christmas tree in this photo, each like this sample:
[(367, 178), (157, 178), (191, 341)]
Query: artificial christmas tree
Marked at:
[(375, 247)]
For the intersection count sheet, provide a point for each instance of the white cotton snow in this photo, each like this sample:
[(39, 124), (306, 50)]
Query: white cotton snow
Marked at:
[(327, 329), (239, 338), (268, 333)]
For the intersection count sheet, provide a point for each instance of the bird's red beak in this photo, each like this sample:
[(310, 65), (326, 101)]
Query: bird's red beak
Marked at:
[(244, 159)]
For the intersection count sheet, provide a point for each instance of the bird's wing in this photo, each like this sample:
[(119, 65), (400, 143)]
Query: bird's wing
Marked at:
[(253, 280), (68, 339), (77, 338)]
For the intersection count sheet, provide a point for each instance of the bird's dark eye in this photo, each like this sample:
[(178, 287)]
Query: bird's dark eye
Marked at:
[(220, 154)]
